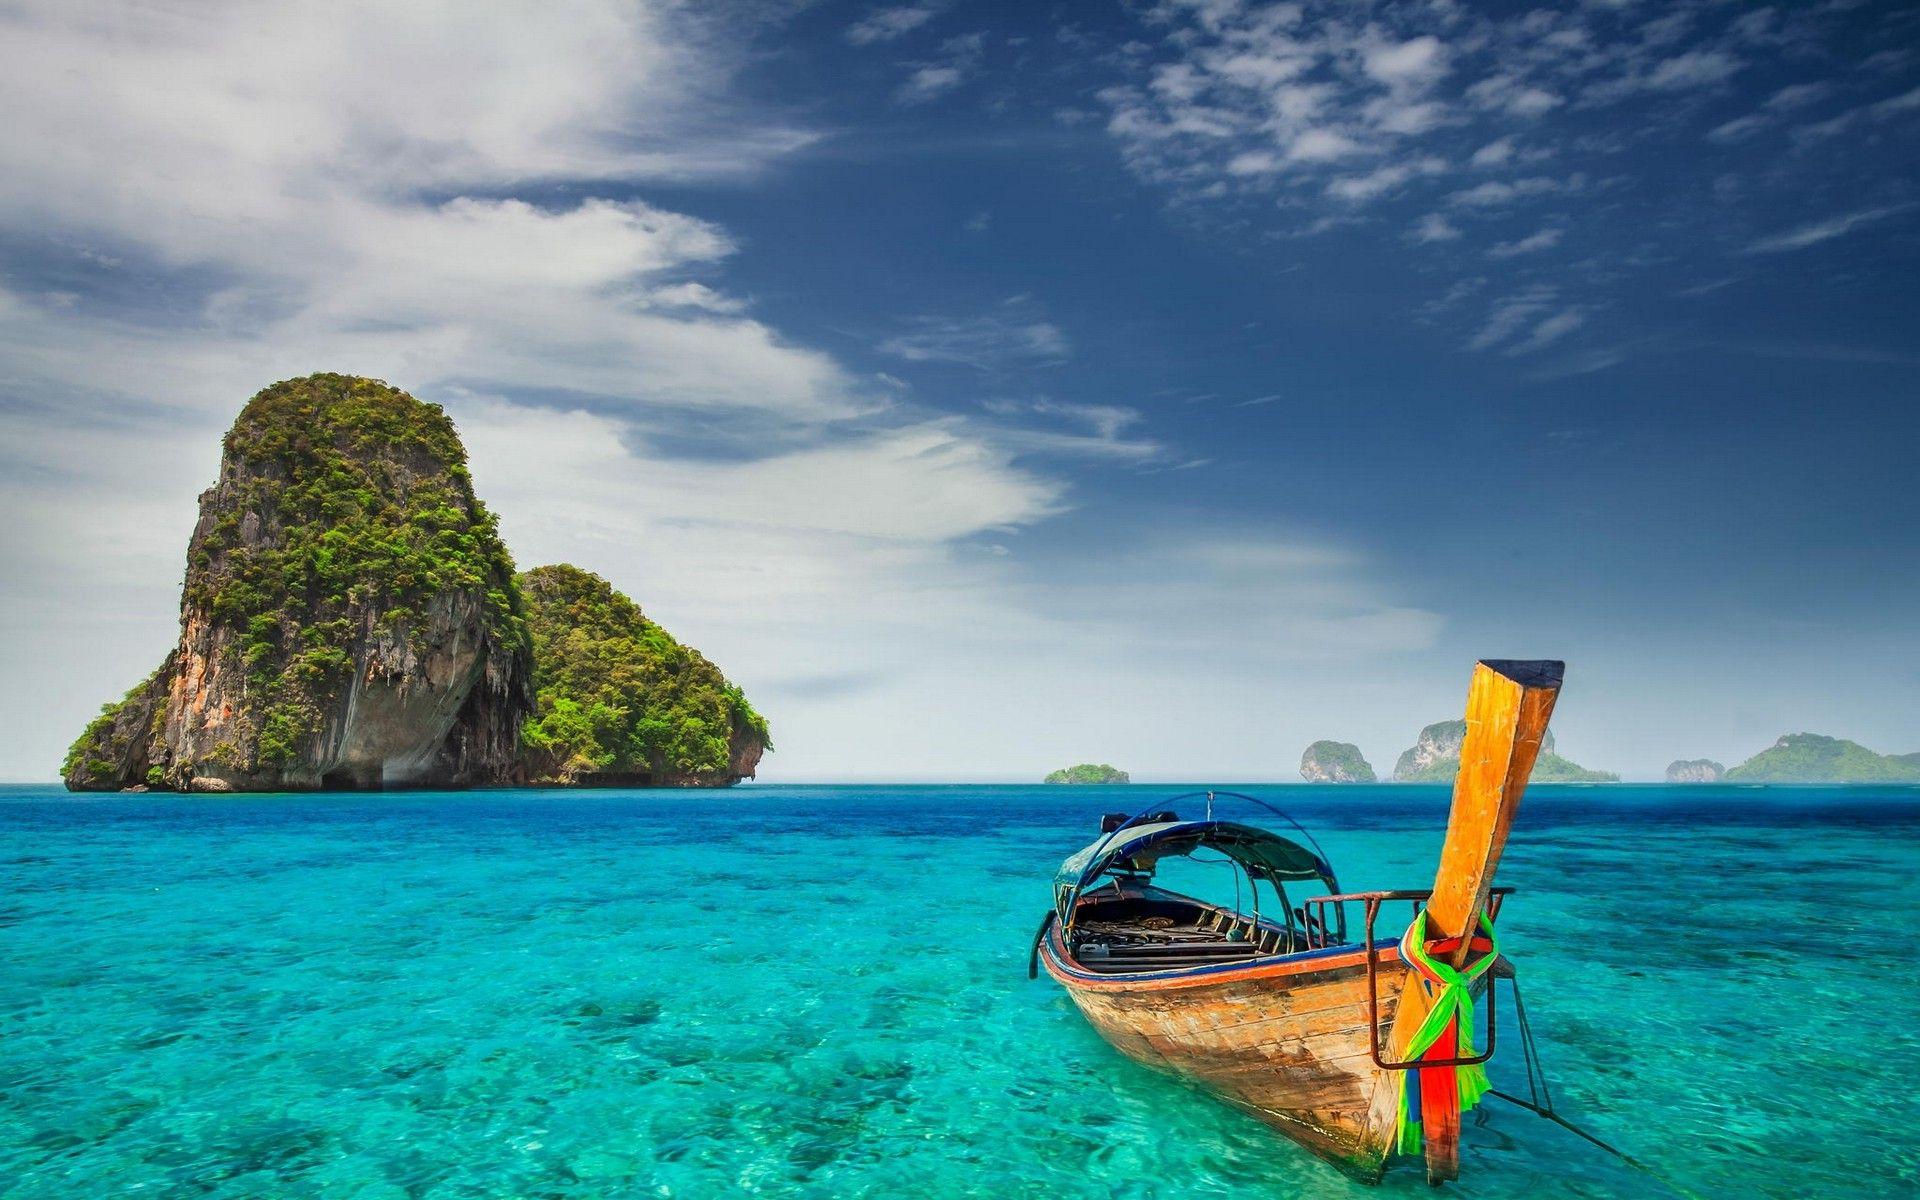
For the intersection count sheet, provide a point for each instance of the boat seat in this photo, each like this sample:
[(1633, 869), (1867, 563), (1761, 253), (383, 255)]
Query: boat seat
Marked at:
[(1187, 948), (1119, 958), (1125, 964)]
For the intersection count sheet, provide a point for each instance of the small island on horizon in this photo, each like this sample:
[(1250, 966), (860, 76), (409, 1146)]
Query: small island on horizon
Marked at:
[(351, 621), (1796, 758), (1335, 762), (1089, 773)]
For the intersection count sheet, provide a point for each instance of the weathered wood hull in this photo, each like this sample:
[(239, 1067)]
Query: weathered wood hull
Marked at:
[(1286, 1040)]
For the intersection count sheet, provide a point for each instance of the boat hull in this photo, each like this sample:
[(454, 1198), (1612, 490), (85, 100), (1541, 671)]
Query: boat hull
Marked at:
[(1288, 1040)]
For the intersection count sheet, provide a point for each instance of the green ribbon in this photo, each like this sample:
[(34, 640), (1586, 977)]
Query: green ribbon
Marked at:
[(1454, 1003)]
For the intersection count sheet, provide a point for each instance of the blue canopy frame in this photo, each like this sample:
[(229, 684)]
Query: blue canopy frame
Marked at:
[(1262, 855)]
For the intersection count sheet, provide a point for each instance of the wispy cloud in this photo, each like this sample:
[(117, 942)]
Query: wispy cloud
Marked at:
[(1015, 332), (1433, 228), (1823, 231), (1549, 331), (1546, 239), (960, 58), (929, 82), (886, 24), (1301, 119), (1527, 321), (1497, 192)]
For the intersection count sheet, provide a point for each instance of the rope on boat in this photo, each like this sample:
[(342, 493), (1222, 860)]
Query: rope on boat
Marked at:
[(1542, 1102)]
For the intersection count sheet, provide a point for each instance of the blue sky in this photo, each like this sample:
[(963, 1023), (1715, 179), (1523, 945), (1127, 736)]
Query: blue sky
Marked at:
[(994, 386)]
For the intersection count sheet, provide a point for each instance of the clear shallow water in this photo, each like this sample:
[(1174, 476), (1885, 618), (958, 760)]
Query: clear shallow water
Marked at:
[(821, 991)]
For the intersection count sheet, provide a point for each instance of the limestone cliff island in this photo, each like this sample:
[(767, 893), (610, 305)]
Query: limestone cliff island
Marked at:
[(1435, 758), (1335, 762), (1695, 770), (351, 620)]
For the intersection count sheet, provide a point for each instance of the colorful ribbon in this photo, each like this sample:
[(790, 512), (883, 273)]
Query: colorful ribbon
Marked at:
[(1448, 1026)]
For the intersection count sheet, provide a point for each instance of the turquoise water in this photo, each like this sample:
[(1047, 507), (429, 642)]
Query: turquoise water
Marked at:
[(821, 991)]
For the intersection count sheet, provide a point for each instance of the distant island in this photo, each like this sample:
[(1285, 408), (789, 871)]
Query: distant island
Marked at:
[(1435, 758), (1695, 770), (351, 620), (1088, 773), (1335, 762), (1815, 758)]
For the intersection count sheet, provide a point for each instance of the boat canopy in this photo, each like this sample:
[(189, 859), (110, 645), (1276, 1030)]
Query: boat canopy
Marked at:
[(1261, 854)]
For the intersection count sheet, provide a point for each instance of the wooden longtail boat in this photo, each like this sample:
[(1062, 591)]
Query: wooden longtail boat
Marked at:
[(1284, 1014)]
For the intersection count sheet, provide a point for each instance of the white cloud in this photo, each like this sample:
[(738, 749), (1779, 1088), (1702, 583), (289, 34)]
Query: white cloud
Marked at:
[(871, 589), (1740, 128), (1509, 314), (1835, 126), (1383, 179), (1320, 145), (1546, 239), (1497, 192), (930, 83), (694, 295), (1823, 231), (1905, 102), (1417, 62), (886, 24), (1696, 68), (1317, 115), (287, 158), (1513, 96), (1799, 95), (1549, 331), (1013, 334), (1494, 154)]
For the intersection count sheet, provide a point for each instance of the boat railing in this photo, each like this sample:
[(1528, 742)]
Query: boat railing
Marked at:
[(1335, 933)]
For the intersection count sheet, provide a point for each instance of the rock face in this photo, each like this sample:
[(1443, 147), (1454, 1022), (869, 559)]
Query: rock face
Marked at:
[(1089, 773), (1438, 743), (1435, 758), (1336, 762), (1695, 770), (1813, 758), (349, 618), (619, 702)]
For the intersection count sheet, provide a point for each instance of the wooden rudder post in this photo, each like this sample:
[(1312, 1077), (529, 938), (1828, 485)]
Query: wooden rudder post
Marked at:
[(1508, 705)]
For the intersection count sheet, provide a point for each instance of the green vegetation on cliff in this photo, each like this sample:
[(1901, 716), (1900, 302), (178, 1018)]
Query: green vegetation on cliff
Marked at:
[(1435, 758), (1813, 758), (117, 736), (1335, 762), (616, 695), (348, 498), (1089, 773), (1548, 768)]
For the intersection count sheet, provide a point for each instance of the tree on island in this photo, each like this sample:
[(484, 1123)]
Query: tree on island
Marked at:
[(1335, 762), (1814, 758), (1089, 773), (351, 620), (1435, 758)]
